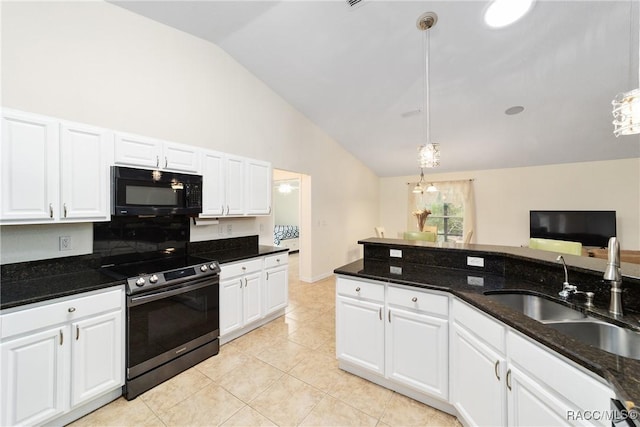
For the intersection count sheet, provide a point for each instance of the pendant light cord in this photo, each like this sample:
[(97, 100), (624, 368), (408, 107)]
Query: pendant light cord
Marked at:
[(427, 110)]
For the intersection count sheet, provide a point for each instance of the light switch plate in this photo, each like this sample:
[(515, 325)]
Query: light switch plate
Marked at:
[(395, 269), (395, 253), (475, 261), (475, 281)]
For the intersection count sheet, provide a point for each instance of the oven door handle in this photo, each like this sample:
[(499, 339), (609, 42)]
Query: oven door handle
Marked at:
[(161, 294)]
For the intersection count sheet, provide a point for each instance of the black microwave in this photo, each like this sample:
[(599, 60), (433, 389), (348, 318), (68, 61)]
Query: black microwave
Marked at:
[(154, 192)]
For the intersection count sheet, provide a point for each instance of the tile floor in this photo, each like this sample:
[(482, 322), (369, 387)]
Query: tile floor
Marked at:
[(283, 373)]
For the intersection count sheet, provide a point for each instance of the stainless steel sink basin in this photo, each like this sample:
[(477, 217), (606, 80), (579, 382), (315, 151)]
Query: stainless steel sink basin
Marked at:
[(605, 336), (536, 307)]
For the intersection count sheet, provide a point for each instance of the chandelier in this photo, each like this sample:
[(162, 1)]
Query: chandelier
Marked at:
[(626, 106), (429, 153)]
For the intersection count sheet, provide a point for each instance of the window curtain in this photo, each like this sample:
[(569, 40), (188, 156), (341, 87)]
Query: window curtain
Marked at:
[(455, 193)]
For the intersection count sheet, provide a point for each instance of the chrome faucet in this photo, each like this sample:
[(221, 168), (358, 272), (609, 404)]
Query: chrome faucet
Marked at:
[(613, 275), (567, 288)]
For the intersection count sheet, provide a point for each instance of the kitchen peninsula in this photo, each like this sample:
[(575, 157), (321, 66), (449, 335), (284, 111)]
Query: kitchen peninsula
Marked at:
[(436, 335)]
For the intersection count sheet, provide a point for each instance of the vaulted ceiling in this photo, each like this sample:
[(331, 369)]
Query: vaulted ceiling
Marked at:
[(357, 72)]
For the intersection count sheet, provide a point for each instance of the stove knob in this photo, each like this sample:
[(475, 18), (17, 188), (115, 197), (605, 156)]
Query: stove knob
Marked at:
[(153, 279), (212, 266), (203, 268), (140, 282)]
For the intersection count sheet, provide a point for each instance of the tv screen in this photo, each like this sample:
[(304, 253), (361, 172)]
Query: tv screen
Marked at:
[(591, 228)]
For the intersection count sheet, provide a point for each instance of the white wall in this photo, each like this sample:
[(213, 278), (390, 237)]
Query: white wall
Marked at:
[(96, 63), (505, 196)]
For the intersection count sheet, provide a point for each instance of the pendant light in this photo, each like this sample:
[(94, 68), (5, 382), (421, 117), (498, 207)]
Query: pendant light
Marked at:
[(429, 153), (626, 106), (418, 188)]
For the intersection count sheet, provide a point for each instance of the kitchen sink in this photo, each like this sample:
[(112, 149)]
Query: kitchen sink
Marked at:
[(605, 336), (536, 307)]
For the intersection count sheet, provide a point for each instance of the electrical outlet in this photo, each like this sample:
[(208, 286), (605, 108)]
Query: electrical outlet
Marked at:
[(65, 243), (475, 261)]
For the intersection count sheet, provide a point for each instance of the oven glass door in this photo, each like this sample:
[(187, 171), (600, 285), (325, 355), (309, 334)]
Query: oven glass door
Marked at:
[(169, 322)]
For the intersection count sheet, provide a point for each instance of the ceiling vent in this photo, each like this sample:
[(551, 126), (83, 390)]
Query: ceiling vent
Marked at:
[(354, 4)]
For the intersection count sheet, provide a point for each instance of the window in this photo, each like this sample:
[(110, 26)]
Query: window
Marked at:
[(452, 209)]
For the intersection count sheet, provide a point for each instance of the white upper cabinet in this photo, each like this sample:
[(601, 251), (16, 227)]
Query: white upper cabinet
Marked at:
[(258, 187), (213, 184), (84, 172), (235, 172), (29, 167), (141, 151), (53, 170)]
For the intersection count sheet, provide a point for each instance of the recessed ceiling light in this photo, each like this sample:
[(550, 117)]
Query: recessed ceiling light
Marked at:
[(516, 109), (501, 13)]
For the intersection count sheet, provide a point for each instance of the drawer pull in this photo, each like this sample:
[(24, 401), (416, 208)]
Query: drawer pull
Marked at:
[(277, 259), (414, 299), (509, 379), (244, 268), (267, 275), (71, 309), (495, 368), (358, 289)]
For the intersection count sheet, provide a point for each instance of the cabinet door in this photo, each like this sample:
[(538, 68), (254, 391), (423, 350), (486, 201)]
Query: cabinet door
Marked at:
[(231, 305), (234, 170), (180, 157), (417, 351), (84, 172), (529, 404), (134, 150), (29, 157), (213, 184), (252, 297), (360, 333), (258, 190), (96, 356), (33, 377), (276, 289), (477, 389)]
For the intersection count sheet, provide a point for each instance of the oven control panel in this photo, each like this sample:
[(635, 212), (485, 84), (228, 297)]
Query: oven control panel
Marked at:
[(145, 282)]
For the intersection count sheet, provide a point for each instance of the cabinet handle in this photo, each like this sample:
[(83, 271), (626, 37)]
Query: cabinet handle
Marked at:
[(358, 289), (245, 282), (380, 313), (64, 206), (77, 332), (509, 379), (157, 161), (267, 275), (240, 283), (50, 211), (61, 337), (495, 368), (227, 210), (269, 210), (166, 162), (71, 309), (414, 299), (221, 209), (389, 316)]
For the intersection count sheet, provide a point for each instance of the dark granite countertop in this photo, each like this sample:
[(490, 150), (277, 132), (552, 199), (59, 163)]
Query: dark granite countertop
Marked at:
[(37, 281), (622, 373)]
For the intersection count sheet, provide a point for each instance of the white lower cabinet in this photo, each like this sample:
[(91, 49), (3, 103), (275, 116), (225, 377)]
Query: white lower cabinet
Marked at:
[(59, 356), (395, 332), (252, 292), (503, 378), (276, 282)]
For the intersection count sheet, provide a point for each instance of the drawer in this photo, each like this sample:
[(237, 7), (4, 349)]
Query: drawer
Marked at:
[(276, 260), (488, 329), (360, 289), (57, 312), (239, 268), (419, 300)]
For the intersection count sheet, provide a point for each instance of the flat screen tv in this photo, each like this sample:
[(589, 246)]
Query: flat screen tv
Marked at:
[(591, 228)]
